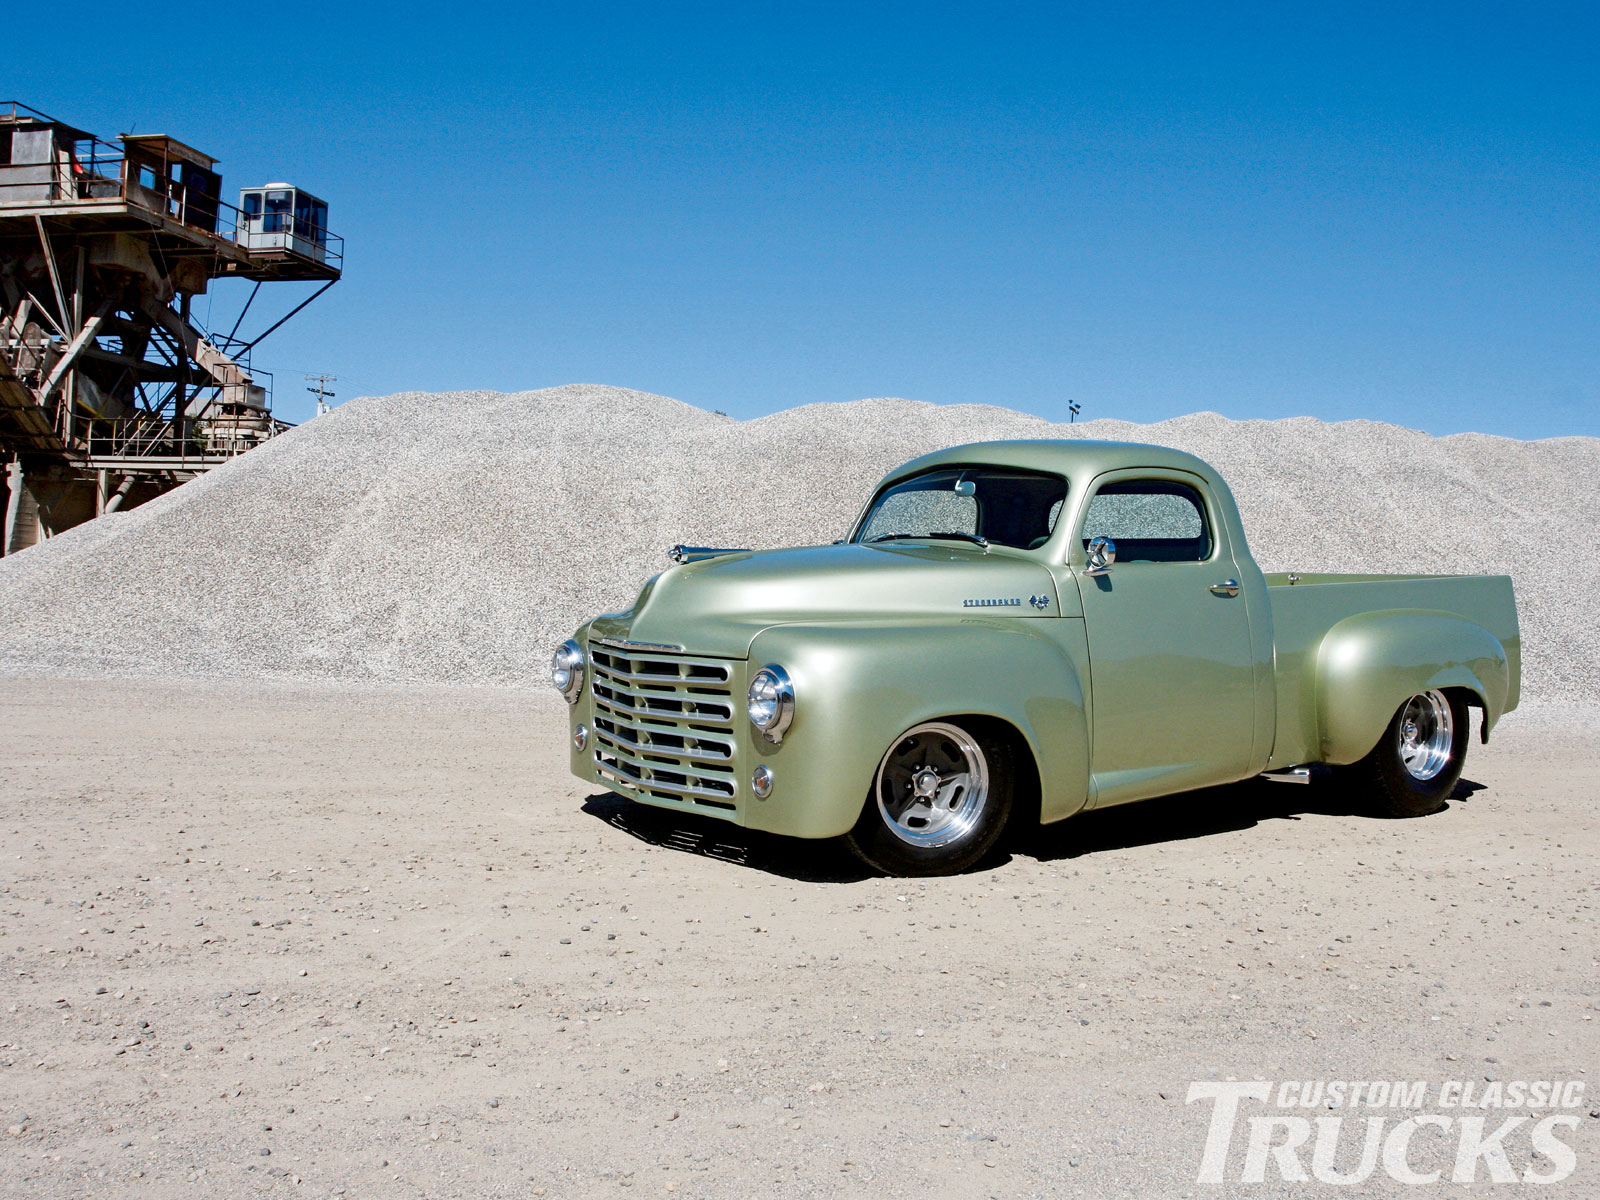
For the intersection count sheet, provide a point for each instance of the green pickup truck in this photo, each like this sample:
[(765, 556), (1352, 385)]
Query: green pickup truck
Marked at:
[(1021, 631)]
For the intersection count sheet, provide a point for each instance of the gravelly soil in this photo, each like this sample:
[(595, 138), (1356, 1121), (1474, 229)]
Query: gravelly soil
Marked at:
[(315, 940), (458, 537)]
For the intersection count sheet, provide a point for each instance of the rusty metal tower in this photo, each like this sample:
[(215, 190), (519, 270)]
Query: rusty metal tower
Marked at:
[(110, 391)]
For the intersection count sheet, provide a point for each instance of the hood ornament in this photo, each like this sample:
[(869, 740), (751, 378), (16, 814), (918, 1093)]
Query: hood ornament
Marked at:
[(690, 554)]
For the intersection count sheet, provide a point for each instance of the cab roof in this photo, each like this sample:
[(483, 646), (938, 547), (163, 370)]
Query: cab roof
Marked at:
[(1079, 459)]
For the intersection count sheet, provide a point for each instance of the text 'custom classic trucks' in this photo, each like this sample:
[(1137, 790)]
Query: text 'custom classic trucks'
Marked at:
[(1023, 631)]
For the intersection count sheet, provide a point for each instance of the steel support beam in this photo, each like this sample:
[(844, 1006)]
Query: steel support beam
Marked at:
[(85, 335), (22, 516), (55, 276)]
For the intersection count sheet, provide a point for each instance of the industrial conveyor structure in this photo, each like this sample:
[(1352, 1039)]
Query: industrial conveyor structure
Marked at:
[(110, 391)]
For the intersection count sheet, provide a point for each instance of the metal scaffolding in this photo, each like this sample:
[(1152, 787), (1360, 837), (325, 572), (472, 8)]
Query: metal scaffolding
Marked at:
[(110, 391)]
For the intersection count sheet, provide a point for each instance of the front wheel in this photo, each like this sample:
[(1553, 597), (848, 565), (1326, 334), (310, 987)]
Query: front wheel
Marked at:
[(1418, 760), (939, 802)]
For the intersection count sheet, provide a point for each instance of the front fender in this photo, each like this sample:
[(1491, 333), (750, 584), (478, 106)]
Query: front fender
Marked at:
[(1369, 664), (858, 686)]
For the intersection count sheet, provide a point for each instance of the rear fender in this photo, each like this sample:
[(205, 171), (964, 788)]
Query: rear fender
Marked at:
[(1368, 665), (860, 686)]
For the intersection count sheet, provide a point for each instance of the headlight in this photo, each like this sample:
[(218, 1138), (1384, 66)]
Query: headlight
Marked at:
[(566, 670), (770, 702)]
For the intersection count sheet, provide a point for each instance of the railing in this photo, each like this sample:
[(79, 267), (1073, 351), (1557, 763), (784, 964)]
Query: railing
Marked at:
[(180, 440), (222, 430), (12, 110), (259, 232), (92, 170), (144, 436), (89, 170)]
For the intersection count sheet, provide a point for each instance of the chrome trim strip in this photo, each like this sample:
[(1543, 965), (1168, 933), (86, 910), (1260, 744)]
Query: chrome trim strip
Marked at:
[(658, 723), (625, 644), (648, 785), (607, 735), (679, 678), (699, 776), (703, 701), (645, 715)]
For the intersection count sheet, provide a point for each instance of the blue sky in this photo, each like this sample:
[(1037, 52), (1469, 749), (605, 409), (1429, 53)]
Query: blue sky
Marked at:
[(1344, 211)]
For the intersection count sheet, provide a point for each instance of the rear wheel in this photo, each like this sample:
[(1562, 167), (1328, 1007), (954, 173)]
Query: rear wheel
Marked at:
[(1418, 760), (939, 802)]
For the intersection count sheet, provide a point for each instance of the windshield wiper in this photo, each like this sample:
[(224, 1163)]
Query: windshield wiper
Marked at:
[(947, 533)]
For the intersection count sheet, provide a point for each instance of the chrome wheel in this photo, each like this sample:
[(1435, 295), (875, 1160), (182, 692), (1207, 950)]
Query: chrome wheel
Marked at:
[(1415, 765), (932, 785), (1427, 734)]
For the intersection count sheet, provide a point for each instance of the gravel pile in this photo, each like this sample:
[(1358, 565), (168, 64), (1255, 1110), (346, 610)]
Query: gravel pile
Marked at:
[(455, 538)]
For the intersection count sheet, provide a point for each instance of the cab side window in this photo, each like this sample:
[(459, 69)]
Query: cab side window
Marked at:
[(1150, 520)]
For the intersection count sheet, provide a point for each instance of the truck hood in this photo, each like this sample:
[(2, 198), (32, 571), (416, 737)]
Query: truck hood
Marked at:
[(717, 606)]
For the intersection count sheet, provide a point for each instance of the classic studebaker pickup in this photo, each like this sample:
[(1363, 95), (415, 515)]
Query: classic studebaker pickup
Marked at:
[(1020, 631)]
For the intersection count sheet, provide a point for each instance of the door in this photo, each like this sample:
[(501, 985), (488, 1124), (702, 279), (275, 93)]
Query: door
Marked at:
[(1170, 663)]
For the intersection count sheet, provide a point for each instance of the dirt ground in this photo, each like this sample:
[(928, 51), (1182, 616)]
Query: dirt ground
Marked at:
[(318, 941)]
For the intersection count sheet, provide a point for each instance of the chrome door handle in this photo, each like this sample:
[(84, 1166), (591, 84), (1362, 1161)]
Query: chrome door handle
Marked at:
[(1228, 587)]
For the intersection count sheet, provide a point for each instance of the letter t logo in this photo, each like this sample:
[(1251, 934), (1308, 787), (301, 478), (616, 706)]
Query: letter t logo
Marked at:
[(1220, 1135)]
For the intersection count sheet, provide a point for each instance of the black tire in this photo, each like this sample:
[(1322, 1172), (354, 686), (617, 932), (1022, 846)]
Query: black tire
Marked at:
[(906, 831), (1410, 773)]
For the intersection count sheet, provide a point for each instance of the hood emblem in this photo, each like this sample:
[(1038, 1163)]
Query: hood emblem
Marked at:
[(1012, 603), (1039, 602)]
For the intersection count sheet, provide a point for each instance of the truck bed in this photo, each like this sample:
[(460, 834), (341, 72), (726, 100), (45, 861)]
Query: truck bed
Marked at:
[(1305, 607)]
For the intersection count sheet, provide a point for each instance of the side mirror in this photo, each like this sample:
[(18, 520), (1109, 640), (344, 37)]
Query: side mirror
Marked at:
[(1102, 553)]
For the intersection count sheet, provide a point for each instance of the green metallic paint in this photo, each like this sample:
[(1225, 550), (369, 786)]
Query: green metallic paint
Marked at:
[(876, 639), (1177, 666), (718, 605), (1318, 615), (860, 685), (1369, 665)]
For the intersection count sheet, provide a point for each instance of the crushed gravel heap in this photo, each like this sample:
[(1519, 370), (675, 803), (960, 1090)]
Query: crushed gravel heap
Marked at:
[(456, 538)]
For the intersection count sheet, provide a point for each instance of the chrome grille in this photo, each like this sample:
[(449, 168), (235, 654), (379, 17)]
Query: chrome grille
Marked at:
[(663, 726)]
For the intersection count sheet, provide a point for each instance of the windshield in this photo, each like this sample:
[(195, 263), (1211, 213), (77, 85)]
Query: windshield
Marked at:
[(1007, 508)]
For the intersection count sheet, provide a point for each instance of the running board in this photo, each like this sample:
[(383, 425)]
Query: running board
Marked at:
[(1291, 775)]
